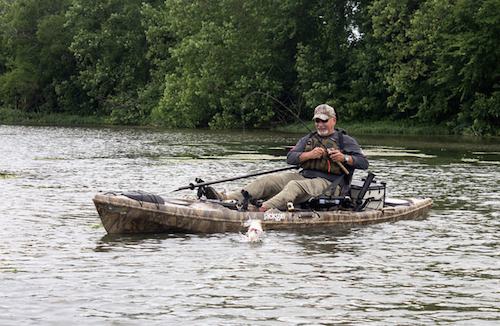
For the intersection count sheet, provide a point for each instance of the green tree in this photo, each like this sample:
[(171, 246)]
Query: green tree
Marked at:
[(110, 45), (365, 96), (322, 57), (337, 64), (35, 56), (467, 73), (401, 69), (160, 40), (438, 60), (223, 51)]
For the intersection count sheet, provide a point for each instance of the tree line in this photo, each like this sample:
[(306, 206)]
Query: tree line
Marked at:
[(228, 63)]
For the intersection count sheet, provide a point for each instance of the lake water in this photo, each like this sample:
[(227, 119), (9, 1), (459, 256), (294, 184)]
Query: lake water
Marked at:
[(59, 267)]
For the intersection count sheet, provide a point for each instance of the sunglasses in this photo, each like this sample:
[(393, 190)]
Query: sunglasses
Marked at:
[(320, 120)]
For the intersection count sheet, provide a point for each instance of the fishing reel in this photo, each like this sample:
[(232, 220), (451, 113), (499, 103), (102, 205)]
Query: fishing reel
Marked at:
[(202, 190), (248, 199)]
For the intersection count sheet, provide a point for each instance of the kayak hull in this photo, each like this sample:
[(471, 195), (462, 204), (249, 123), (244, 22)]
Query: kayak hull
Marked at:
[(120, 214)]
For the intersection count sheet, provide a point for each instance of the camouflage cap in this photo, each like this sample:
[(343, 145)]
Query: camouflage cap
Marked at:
[(324, 112)]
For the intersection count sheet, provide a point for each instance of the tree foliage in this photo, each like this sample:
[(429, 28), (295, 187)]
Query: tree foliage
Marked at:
[(225, 50), (110, 46), (195, 63), (35, 54), (439, 61)]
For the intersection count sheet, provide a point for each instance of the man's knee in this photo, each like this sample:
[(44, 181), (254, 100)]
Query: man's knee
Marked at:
[(294, 186), (309, 187)]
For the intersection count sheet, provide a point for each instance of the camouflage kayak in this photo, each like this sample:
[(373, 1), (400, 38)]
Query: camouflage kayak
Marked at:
[(146, 213)]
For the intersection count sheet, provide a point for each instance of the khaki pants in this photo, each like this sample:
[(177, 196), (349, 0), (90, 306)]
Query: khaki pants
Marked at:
[(278, 189)]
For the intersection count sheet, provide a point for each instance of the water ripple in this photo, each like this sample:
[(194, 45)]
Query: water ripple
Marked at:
[(58, 266)]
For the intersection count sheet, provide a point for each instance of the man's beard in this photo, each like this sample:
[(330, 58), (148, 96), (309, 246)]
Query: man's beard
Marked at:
[(322, 132)]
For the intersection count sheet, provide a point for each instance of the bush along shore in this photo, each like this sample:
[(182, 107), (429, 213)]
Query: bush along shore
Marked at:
[(376, 127)]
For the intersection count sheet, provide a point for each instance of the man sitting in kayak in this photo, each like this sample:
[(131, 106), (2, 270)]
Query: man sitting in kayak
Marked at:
[(320, 155)]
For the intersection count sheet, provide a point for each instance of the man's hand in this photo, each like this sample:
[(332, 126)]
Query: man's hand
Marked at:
[(336, 155), (316, 153)]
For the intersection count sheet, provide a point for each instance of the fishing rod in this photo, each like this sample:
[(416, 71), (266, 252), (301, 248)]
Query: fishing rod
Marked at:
[(202, 184), (245, 99)]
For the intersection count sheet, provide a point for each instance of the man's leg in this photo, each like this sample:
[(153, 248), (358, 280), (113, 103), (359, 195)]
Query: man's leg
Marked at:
[(267, 186), (297, 191)]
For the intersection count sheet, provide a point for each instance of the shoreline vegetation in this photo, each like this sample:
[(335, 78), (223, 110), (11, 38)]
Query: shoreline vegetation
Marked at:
[(377, 127), (14, 117)]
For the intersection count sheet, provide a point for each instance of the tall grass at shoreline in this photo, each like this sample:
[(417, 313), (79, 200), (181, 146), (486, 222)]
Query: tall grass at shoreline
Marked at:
[(375, 127), (10, 116)]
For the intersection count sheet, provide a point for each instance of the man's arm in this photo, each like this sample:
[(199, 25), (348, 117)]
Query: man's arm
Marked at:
[(293, 156), (357, 159)]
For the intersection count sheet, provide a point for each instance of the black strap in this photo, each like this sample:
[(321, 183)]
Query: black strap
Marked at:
[(359, 201), (142, 196), (332, 185), (340, 133)]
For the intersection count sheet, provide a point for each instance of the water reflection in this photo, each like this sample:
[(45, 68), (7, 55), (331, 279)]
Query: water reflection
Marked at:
[(111, 242)]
